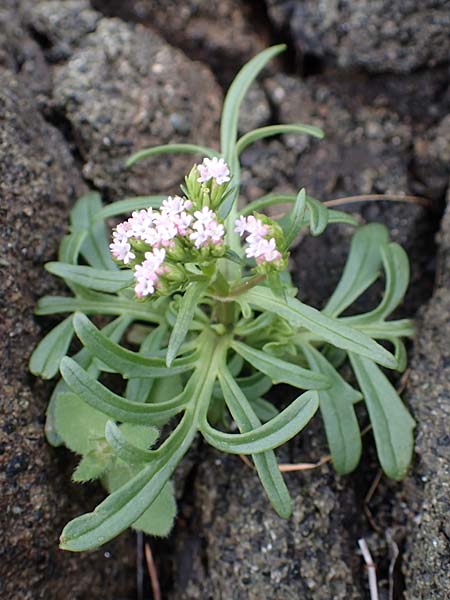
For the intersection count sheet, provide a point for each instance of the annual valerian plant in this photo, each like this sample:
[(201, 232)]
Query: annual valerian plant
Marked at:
[(202, 290)]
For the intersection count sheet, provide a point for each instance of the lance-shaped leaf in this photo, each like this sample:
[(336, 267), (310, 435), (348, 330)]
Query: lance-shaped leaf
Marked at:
[(123, 207), (97, 304), (114, 330), (264, 410), (318, 215), (294, 220), (124, 506), (265, 463), (396, 267), (326, 328), (124, 449), (127, 363), (262, 438), (138, 389), (336, 407), (70, 246), (95, 247), (384, 330), (100, 280), (280, 371), (102, 399), (47, 355), (391, 422), (361, 269), (235, 95), (254, 386), (170, 149), (129, 502), (271, 130), (188, 303)]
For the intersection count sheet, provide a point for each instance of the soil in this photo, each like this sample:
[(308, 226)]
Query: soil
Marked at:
[(82, 85)]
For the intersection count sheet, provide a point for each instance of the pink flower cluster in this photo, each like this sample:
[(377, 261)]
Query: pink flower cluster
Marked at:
[(147, 273), (214, 168), (258, 245), (158, 229)]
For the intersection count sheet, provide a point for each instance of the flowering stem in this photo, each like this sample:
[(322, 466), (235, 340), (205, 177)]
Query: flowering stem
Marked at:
[(247, 285)]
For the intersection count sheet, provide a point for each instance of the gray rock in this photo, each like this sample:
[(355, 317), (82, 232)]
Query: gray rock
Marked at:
[(384, 36), (20, 53), (38, 181), (427, 560), (61, 27), (124, 89), (220, 34), (230, 544)]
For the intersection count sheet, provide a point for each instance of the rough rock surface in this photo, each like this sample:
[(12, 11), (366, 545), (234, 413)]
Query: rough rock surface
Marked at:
[(124, 89), (230, 544), (381, 36), (222, 34), (427, 559), (38, 180)]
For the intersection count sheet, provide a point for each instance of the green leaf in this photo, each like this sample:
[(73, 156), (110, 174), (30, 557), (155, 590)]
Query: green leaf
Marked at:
[(384, 330), (95, 247), (318, 215), (188, 303), (46, 357), (279, 370), (165, 388), (328, 329), (336, 406), (124, 449), (361, 269), (265, 463), (294, 219), (91, 466), (70, 247), (158, 518), (102, 399), (234, 97), (98, 304), (254, 386), (124, 506), (271, 130), (396, 267), (114, 330), (264, 410), (127, 363), (138, 389), (262, 438), (94, 279), (80, 426), (124, 207), (171, 149), (391, 422)]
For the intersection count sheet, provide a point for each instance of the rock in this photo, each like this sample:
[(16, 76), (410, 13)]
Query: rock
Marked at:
[(38, 181), (62, 28), (221, 34), (427, 559), (384, 36), (125, 89), (20, 53), (230, 544)]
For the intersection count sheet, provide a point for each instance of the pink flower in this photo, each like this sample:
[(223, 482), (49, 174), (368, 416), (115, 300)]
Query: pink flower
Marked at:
[(121, 250), (147, 273), (240, 225), (214, 168)]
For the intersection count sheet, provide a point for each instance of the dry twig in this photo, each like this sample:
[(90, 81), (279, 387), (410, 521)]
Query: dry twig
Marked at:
[(379, 197), (152, 573), (371, 569)]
